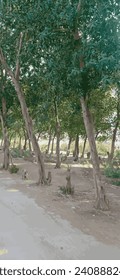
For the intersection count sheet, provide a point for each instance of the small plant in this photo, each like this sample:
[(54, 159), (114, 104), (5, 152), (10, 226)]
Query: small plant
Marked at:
[(26, 153), (15, 153), (13, 169), (116, 183), (66, 191), (117, 154), (112, 173)]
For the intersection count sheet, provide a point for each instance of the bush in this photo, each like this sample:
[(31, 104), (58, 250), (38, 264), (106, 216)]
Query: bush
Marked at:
[(112, 173), (15, 153), (67, 191), (26, 153), (116, 183), (117, 154), (13, 169)]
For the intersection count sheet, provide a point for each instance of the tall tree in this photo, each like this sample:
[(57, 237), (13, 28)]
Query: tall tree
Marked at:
[(84, 44)]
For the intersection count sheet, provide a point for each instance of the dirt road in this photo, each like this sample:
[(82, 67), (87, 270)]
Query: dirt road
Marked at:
[(29, 232)]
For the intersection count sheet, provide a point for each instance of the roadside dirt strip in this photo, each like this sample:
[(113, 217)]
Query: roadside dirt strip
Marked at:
[(27, 231)]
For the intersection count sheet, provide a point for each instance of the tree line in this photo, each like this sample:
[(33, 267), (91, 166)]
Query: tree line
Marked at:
[(59, 73)]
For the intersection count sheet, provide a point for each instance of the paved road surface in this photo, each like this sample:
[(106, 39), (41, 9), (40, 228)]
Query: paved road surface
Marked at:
[(28, 232)]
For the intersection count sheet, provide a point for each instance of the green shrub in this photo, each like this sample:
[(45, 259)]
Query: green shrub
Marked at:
[(116, 183), (15, 153), (66, 190), (13, 169), (117, 154), (112, 173), (26, 153)]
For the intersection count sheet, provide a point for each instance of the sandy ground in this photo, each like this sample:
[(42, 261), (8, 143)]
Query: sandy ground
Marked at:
[(40, 223)]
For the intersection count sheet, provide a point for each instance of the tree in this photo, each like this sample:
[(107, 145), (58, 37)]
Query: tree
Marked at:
[(5, 105), (75, 49), (116, 126), (84, 38)]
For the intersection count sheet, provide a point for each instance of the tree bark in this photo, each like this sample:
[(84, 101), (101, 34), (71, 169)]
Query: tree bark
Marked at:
[(25, 142), (29, 144), (5, 136), (101, 201), (27, 119), (52, 147), (49, 142), (38, 136), (14, 142), (20, 143), (76, 151), (84, 146), (58, 161), (111, 155), (69, 144)]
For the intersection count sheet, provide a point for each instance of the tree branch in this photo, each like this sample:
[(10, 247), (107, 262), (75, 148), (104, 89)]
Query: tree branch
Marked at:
[(17, 70), (79, 6), (6, 67), (4, 63)]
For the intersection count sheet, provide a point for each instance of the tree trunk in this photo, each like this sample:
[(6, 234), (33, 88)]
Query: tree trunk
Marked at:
[(115, 130), (58, 161), (49, 142), (14, 142), (25, 142), (27, 119), (29, 128), (52, 147), (69, 144), (20, 143), (76, 151), (84, 145), (113, 142), (29, 143), (101, 201), (38, 138), (10, 139), (5, 135)]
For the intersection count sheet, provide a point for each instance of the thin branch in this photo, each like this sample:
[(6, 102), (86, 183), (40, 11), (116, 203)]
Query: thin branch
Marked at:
[(5, 65), (17, 70), (79, 6)]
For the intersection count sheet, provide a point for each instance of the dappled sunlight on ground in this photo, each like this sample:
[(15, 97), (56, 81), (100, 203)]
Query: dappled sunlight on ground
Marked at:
[(12, 190), (19, 164)]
